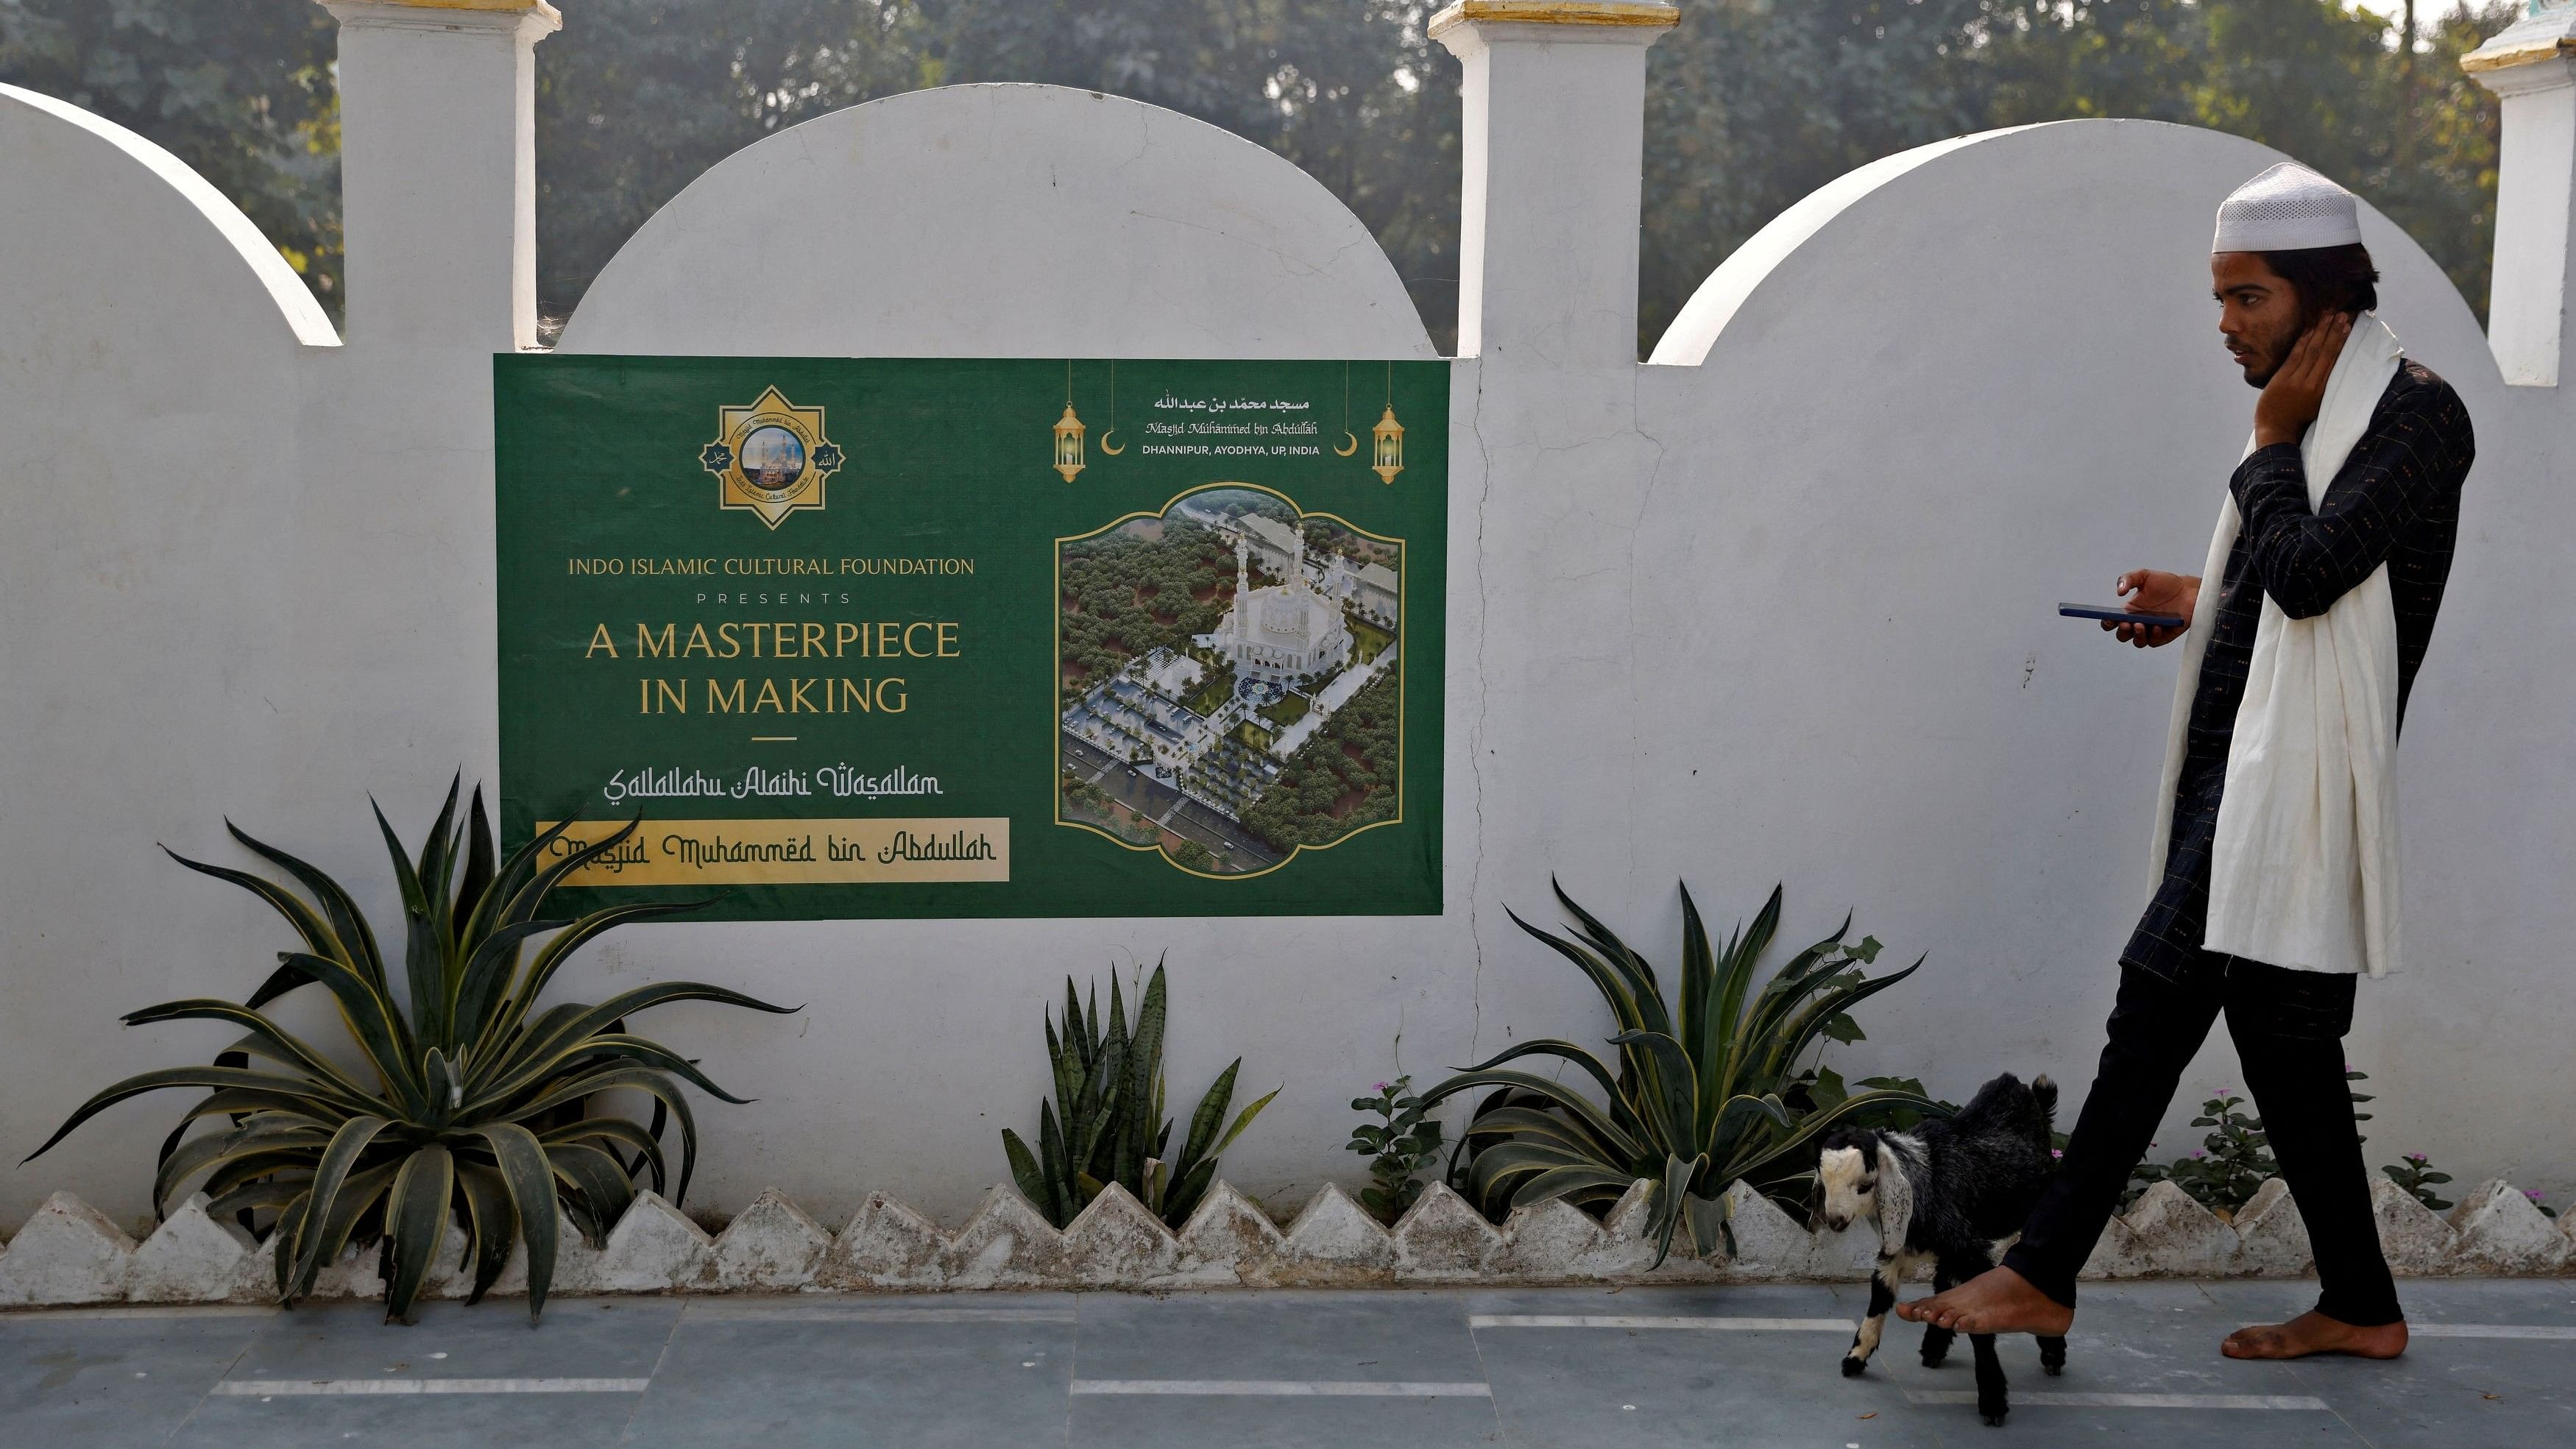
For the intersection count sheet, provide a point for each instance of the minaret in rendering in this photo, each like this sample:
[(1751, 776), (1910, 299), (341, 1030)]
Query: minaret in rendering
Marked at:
[(1242, 590)]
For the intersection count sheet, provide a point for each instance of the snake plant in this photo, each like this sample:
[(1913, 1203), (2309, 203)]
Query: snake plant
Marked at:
[(1710, 1090), (472, 1104), (1106, 1123)]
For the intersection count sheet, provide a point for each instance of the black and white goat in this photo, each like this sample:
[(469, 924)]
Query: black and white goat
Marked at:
[(1947, 1191)]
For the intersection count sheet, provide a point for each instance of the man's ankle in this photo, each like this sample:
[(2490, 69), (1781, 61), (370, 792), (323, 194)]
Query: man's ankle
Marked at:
[(2040, 1284)]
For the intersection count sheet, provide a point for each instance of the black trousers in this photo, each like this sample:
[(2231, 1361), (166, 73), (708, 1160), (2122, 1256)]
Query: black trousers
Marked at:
[(2289, 1028)]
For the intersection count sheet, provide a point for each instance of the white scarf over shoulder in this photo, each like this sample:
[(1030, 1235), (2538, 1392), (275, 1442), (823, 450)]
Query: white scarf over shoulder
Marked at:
[(2304, 871)]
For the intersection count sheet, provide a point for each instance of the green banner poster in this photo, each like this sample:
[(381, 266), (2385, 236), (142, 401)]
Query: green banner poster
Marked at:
[(976, 637)]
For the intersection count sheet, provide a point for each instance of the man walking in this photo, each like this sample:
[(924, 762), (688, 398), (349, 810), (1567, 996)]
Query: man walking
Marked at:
[(2276, 848)]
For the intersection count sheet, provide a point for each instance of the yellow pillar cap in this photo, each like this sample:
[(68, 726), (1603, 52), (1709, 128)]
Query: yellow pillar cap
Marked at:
[(1555, 12)]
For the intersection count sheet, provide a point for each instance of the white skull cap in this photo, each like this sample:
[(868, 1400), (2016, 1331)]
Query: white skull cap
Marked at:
[(2288, 208)]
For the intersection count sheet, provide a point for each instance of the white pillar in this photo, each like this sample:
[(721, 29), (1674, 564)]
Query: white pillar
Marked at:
[(2531, 66), (438, 172), (1553, 140)]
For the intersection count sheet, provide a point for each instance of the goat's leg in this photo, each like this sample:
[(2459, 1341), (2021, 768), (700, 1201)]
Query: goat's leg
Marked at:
[(2052, 1356), (1882, 1297), (1991, 1400), (1936, 1339)]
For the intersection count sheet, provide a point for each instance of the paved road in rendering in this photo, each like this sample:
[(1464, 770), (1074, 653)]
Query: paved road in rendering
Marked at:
[(2494, 1364), (1155, 800)]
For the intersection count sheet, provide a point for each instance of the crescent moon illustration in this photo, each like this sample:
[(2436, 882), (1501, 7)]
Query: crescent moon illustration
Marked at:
[(1104, 443), (1353, 448)]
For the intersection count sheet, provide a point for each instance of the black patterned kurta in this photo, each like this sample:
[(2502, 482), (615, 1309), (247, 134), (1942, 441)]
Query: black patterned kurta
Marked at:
[(2396, 501)]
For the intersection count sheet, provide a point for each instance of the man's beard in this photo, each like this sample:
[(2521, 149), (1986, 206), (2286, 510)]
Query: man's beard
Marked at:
[(2274, 356)]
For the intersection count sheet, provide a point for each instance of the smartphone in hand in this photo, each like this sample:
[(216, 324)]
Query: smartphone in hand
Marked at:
[(2122, 614)]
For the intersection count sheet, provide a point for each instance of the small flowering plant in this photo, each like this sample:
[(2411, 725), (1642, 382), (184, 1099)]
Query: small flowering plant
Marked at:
[(2233, 1160), (1400, 1145), (2538, 1200), (2230, 1164), (2417, 1176)]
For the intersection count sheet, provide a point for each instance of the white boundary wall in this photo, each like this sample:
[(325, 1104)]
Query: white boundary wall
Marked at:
[(1777, 606)]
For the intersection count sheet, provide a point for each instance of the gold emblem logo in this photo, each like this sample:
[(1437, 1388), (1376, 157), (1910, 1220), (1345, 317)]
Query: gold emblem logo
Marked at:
[(770, 457)]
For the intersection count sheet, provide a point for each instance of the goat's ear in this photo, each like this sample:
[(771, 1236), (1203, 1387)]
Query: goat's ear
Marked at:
[(1895, 1203)]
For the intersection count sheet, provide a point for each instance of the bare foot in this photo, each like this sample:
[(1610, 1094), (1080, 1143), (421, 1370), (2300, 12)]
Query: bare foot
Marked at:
[(1998, 1300), (2313, 1332)]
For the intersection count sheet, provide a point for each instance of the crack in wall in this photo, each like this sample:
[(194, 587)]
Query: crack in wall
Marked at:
[(1476, 736), (1636, 705)]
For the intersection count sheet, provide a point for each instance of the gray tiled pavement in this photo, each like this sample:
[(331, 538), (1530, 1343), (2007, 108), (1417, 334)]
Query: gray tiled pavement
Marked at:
[(1257, 1369)]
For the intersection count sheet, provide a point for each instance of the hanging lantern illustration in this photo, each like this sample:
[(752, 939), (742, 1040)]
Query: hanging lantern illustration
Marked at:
[(1068, 443), (1389, 436)]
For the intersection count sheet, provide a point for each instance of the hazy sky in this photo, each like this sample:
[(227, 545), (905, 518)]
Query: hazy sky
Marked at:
[(2424, 9)]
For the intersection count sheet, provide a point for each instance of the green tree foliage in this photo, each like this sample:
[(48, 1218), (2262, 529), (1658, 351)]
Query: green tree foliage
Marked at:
[(2385, 110), (1126, 596), (1344, 776), (1751, 104), (241, 90), (1351, 90), (636, 97)]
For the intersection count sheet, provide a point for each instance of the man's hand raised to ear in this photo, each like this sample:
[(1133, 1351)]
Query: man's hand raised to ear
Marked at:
[(2291, 399)]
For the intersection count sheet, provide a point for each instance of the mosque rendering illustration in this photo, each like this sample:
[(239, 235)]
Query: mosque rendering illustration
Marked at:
[(1283, 632), (1294, 662)]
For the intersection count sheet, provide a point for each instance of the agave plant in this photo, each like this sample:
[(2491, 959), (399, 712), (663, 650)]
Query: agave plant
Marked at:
[(1106, 1123), (473, 1105), (1712, 1090)]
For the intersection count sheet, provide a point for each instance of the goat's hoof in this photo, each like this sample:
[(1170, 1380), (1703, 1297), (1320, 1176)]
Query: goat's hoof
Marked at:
[(1935, 1357), (2052, 1369), (1996, 1419), (1854, 1367)]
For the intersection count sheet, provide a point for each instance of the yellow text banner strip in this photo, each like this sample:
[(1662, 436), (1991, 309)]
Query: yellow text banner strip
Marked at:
[(870, 851)]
